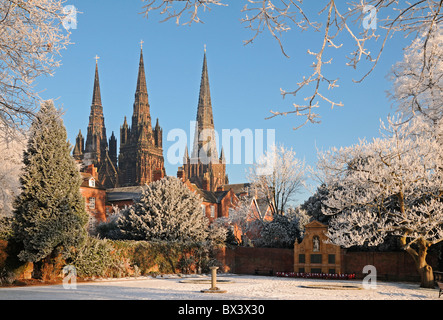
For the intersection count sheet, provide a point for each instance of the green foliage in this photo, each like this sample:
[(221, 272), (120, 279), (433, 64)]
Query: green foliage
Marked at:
[(96, 258), (6, 227), (155, 256), (50, 211), (107, 258)]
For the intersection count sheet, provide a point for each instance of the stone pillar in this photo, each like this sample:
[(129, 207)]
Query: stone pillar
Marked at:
[(213, 288), (213, 278)]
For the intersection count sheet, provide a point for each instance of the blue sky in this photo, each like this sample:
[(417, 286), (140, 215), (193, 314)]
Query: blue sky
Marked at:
[(245, 80)]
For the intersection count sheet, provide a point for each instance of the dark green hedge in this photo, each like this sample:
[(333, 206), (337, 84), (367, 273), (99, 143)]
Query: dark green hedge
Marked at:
[(117, 258)]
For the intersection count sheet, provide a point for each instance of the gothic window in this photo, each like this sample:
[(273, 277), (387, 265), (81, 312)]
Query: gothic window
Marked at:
[(92, 182), (203, 209)]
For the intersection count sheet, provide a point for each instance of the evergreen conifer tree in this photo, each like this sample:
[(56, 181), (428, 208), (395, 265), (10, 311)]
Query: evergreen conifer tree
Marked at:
[(50, 211), (168, 211)]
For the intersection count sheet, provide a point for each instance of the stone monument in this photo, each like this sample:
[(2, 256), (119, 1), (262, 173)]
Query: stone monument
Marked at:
[(315, 254)]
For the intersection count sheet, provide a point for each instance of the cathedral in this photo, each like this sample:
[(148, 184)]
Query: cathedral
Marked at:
[(204, 168), (139, 159)]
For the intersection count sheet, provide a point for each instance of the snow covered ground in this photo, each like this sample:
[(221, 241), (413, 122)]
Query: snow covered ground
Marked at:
[(240, 287)]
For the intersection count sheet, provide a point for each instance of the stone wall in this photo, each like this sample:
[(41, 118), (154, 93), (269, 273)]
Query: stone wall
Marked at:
[(246, 260), (394, 266)]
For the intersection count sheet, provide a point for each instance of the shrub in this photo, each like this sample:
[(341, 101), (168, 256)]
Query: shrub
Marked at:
[(96, 258)]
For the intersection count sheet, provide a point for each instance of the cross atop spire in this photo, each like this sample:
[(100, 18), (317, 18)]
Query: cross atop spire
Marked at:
[(96, 59), (141, 44)]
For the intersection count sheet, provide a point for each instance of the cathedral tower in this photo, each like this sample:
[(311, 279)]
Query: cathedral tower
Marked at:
[(141, 152), (95, 150), (96, 141), (204, 167)]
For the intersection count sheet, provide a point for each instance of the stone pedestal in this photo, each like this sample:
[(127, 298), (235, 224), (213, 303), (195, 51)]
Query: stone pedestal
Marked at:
[(214, 288)]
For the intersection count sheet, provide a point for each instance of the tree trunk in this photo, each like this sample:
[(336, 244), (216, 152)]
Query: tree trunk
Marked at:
[(427, 277), (423, 268)]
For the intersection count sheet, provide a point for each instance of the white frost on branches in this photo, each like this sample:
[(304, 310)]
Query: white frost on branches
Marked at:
[(281, 184), (31, 37), (167, 210), (418, 78), (338, 20), (391, 185)]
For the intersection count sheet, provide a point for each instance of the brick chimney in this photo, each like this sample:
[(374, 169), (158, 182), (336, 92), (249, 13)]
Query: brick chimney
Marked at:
[(92, 170)]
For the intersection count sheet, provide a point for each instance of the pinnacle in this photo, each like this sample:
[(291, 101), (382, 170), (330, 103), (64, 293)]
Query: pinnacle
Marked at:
[(96, 97)]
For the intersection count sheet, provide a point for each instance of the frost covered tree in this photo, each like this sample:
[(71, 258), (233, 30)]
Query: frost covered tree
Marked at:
[(278, 176), (31, 38), (50, 216), (389, 186), (244, 220), (167, 210), (284, 230), (368, 24), (418, 78)]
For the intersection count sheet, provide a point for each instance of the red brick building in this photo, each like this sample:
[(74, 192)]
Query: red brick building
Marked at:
[(94, 193), (215, 204)]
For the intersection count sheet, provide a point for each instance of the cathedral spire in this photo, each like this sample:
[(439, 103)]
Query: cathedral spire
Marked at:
[(96, 141), (204, 133), (96, 97), (141, 79), (141, 115), (204, 100)]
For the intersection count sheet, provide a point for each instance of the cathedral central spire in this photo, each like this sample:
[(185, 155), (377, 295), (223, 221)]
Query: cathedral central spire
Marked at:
[(141, 79), (96, 96), (204, 139), (204, 168)]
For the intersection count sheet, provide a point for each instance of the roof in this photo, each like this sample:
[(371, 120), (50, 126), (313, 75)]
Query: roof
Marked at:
[(85, 181), (237, 188), (210, 196), (124, 193), (315, 224)]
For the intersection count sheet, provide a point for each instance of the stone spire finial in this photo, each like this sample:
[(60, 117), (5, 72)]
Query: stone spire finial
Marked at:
[(96, 97)]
